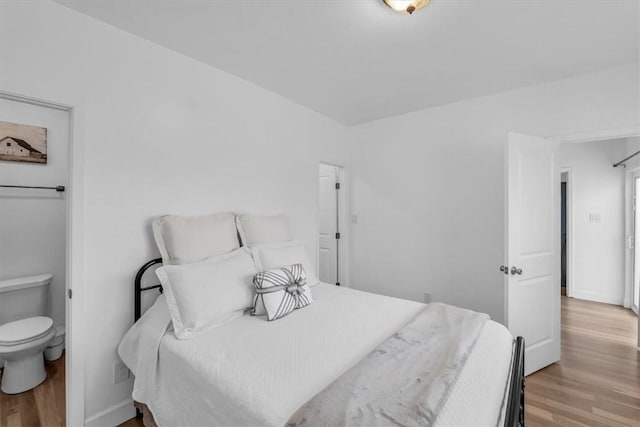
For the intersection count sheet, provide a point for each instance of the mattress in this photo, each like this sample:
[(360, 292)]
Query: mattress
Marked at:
[(249, 371)]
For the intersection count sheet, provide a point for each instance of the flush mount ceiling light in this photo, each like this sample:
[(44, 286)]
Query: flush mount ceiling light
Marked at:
[(406, 6)]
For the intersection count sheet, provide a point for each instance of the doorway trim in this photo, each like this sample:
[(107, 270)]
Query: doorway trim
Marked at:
[(74, 307), (629, 187), (600, 135), (570, 240), (344, 272)]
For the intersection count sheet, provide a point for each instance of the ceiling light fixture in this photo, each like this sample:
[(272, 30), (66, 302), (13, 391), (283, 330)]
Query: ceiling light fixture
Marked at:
[(406, 6)]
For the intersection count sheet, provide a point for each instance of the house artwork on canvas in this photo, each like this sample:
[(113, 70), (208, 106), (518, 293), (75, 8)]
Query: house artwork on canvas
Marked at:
[(23, 143)]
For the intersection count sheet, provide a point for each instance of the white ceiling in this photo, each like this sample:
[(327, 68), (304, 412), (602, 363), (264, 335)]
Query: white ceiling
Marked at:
[(357, 60)]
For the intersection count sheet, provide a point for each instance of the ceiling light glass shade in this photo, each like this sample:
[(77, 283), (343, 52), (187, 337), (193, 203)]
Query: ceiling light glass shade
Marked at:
[(406, 6)]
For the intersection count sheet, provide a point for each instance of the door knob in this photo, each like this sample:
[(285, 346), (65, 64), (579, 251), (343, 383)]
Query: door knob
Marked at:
[(504, 269), (517, 271)]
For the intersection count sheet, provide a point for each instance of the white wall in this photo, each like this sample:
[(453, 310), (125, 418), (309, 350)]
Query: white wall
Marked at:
[(599, 247), (162, 134), (428, 187)]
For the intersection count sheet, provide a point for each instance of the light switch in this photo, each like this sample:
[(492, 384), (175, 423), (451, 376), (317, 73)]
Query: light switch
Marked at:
[(354, 219)]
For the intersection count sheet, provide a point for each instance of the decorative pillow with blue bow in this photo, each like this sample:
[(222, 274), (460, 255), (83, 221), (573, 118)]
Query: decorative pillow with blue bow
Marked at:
[(280, 291)]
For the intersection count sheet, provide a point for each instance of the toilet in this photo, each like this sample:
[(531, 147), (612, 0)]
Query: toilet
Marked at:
[(56, 346), (25, 332)]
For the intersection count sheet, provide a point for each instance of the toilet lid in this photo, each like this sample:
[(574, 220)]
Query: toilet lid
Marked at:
[(25, 330)]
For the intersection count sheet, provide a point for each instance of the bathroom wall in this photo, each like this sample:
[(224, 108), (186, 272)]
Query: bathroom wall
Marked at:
[(33, 222)]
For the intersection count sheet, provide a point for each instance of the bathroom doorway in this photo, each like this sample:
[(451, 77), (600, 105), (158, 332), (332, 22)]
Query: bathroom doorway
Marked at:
[(34, 225)]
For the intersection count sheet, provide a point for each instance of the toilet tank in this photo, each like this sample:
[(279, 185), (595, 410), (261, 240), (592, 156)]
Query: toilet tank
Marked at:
[(24, 297)]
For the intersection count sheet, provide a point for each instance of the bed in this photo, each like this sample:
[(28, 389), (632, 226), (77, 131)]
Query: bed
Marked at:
[(241, 332), (252, 372)]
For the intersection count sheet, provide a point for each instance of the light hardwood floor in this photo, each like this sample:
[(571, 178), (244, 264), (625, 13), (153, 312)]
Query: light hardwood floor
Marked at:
[(133, 422), (597, 381), (42, 406)]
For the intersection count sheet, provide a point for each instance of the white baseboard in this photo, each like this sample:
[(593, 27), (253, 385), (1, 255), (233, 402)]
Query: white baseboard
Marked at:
[(112, 416), (597, 297)]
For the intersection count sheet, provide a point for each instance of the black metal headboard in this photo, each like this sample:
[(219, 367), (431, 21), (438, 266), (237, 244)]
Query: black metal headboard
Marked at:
[(138, 289)]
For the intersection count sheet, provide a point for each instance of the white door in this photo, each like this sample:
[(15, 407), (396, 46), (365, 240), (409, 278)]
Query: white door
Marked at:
[(533, 248), (328, 225)]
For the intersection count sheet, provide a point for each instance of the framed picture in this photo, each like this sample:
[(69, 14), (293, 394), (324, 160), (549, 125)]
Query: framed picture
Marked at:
[(23, 143)]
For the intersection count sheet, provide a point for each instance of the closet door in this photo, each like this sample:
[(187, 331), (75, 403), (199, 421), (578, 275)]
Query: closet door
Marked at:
[(328, 225)]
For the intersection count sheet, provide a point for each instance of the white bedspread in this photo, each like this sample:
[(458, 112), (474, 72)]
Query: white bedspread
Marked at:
[(250, 372)]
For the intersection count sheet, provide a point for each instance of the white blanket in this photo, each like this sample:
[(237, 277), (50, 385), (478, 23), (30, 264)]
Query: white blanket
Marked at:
[(406, 380), (250, 372)]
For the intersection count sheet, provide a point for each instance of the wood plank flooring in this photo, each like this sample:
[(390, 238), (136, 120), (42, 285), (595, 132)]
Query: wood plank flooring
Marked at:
[(597, 381), (133, 422), (42, 406)]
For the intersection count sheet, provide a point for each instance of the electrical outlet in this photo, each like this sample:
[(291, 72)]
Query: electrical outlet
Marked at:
[(120, 372), (427, 297)]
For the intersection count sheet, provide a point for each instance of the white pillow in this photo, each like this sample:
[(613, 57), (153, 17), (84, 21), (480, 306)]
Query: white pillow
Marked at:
[(280, 291), (183, 239), (203, 295), (278, 255), (255, 229)]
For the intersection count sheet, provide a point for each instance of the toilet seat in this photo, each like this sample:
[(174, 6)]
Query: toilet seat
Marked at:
[(25, 330)]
